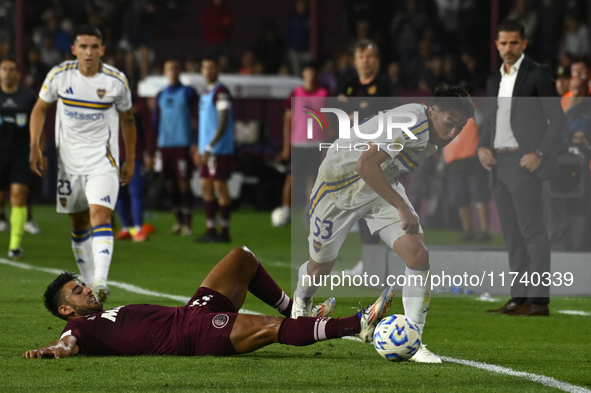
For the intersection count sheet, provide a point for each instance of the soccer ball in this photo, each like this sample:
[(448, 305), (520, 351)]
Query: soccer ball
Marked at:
[(397, 338), (280, 216)]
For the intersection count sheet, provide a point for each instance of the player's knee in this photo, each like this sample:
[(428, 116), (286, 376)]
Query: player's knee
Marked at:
[(246, 257), (419, 259)]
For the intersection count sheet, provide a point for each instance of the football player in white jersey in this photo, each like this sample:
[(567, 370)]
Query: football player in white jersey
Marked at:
[(91, 100), (363, 184)]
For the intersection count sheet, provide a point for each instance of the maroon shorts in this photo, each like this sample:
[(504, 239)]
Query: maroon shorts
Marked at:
[(176, 163), (211, 322), (217, 167)]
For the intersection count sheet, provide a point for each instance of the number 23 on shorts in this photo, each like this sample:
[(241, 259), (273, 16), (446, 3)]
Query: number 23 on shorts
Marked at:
[(322, 226)]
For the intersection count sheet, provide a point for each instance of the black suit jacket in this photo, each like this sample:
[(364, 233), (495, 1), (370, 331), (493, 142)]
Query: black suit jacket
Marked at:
[(537, 123)]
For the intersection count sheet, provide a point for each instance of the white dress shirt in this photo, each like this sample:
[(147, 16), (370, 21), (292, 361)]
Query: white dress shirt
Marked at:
[(504, 137)]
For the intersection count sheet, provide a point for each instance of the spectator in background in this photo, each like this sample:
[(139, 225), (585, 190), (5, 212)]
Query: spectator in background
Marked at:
[(295, 140), (576, 36), (476, 76), (327, 77), (36, 70), (395, 74), (551, 18), (50, 56), (176, 111), (562, 84), (130, 202), (406, 31), (60, 38), (455, 26), (450, 73), (467, 181), (298, 37), (570, 218), (269, 48), (137, 25), (217, 21), (215, 150), (344, 69), (247, 63), (192, 64), (523, 12), (7, 25), (579, 105)]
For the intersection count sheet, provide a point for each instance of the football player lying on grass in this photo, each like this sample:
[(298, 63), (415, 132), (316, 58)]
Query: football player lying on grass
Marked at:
[(209, 324)]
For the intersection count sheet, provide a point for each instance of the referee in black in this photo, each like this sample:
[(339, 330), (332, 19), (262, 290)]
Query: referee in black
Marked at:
[(16, 103)]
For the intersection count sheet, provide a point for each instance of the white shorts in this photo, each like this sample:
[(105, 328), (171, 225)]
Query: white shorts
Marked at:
[(330, 226), (76, 192)]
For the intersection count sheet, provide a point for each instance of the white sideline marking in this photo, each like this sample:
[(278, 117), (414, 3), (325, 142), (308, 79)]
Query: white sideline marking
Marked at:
[(541, 379), (574, 312)]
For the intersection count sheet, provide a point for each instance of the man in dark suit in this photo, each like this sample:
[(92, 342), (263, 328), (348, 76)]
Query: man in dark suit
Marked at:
[(523, 125)]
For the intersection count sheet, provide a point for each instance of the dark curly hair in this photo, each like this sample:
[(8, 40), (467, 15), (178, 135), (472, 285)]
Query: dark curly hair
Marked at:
[(453, 98), (53, 296)]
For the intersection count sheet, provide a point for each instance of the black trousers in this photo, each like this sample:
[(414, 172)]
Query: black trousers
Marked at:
[(518, 195)]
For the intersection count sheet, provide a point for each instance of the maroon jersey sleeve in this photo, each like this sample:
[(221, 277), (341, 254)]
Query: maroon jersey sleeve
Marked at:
[(221, 93), (138, 329), (287, 102)]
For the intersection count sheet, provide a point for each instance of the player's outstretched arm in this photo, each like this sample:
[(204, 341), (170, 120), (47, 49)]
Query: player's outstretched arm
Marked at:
[(369, 168), (128, 129), (58, 349), (38, 115)]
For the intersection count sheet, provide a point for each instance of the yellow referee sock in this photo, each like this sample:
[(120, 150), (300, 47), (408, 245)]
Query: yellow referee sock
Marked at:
[(18, 218)]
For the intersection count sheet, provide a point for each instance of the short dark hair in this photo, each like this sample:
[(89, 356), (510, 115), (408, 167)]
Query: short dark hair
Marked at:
[(511, 25), (312, 64), (364, 44), (453, 98), (53, 296), (87, 30), (12, 59)]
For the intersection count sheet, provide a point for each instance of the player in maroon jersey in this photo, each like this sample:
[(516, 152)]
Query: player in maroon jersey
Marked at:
[(209, 324)]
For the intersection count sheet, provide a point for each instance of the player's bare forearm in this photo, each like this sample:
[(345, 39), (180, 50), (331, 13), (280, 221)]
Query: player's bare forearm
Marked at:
[(128, 129), (286, 134), (369, 168), (38, 115), (65, 347)]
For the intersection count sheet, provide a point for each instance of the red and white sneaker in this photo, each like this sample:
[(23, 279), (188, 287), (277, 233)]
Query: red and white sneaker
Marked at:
[(123, 235), (140, 236), (373, 314)]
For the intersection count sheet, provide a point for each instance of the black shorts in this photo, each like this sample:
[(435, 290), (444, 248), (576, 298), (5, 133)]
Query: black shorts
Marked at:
[(14, 168), (467, 181)]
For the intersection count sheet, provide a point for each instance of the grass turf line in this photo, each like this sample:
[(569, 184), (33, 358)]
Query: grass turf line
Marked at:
[(457, 327)]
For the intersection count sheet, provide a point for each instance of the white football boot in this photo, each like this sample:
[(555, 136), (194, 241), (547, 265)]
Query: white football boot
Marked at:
[(373, 314), (302, 307), (101, 290), (423, 355)]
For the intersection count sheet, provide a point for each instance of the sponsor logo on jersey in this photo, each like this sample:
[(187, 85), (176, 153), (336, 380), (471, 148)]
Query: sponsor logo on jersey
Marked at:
[(9, 102), (220, 320), (21, 119), (317, 245), (63, 201), (106, 199), (79, 260), (69, 90), (44, 87), (105, 251), (84, 116), (372, 90), (101, 93)]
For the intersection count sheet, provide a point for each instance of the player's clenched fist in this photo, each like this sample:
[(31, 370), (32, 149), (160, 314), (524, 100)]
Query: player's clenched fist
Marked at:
[(410, 221)]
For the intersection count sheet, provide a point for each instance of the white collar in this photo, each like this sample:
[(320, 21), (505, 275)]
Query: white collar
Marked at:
[(514, 67)]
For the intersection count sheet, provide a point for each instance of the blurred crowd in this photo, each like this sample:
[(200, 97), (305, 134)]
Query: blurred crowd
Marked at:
[(423, 43)]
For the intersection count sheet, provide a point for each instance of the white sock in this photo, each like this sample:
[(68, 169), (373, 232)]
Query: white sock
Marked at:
[(82, 248), (416, 298), (102, 247), (305, 288)]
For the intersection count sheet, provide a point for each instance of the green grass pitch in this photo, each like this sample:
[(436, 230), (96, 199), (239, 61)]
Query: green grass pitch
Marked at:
[(558, 347)]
